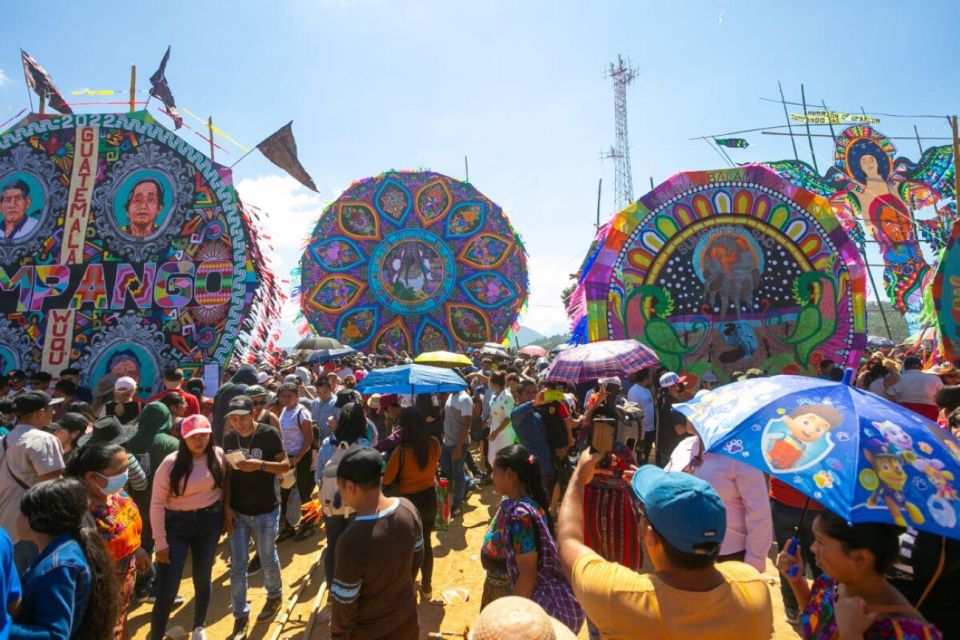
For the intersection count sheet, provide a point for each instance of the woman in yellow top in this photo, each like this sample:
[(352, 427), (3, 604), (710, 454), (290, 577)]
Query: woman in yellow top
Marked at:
[(412, 468)]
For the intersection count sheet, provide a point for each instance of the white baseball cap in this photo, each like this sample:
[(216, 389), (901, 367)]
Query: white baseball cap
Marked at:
[(670, 378), (126, 383)]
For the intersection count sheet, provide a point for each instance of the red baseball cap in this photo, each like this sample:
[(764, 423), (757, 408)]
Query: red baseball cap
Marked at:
[(192, 425), (388, 400)]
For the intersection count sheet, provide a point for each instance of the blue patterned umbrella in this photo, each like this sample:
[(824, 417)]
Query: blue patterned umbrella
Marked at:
[(410, 379), (859, 455)]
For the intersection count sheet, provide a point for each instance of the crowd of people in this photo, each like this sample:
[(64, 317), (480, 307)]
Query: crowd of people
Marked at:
[(611, 513)]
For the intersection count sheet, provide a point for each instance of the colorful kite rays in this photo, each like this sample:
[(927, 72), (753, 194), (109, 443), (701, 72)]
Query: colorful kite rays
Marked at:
[(123, 250), (413, 261), (728, 270)]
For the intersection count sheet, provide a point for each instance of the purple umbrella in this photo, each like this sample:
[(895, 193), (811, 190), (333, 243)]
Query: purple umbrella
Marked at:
[(588, 362)]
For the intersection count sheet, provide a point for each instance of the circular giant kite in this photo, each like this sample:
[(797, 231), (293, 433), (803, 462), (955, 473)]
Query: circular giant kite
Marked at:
[(729, 270), (413, 261), (123, 249)]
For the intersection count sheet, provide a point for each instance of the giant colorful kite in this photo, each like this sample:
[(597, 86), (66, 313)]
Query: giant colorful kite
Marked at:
[(869, 189), (123, 249), (727, 270), (413, 261)]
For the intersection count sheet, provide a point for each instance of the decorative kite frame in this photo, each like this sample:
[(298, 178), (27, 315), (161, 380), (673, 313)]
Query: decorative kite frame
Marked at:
[(413, 261), (716, 229)]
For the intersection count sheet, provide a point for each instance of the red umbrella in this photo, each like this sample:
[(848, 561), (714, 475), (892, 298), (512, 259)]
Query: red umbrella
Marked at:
[(533, 350), (596, 360)]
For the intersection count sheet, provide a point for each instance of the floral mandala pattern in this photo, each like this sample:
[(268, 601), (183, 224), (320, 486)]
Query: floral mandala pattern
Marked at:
[(413, 260)]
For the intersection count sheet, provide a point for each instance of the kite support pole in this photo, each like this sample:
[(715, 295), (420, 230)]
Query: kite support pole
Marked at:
[(133, 88)]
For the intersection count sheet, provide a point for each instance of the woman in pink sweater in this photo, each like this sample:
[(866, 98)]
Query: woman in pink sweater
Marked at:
[(186, 510)]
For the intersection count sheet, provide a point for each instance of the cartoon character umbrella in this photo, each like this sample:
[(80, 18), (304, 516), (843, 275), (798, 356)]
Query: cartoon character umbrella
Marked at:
[(859, 455), (595, 360)]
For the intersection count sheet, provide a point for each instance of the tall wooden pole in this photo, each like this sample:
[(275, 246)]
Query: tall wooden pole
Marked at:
[(803, 99), (466, 168), (786, 115), (43, 100), (829, 120), (133, 88), (917, 134), (210, 130)]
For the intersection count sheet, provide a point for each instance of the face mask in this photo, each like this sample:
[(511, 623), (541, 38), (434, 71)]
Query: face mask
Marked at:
[(114, 483)]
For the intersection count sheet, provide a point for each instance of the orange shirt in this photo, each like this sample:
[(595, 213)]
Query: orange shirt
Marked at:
[(412, 478)]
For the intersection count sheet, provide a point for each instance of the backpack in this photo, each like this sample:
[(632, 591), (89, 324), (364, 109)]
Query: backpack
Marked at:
[(330, 501)]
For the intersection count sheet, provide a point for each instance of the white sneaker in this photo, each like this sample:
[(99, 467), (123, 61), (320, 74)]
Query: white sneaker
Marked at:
[(199, 634)]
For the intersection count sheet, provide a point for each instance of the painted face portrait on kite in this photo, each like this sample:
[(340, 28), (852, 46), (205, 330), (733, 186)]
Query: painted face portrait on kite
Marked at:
[(124, 363), (144, 205), (866, 162), (15, 206)]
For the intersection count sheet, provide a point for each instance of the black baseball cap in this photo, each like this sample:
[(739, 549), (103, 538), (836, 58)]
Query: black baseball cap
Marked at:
[(26, 403), (16, 374), (240, 405), (363, 466), (72, 422)]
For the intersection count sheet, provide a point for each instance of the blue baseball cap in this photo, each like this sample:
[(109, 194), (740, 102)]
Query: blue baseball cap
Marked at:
[(684, 509)]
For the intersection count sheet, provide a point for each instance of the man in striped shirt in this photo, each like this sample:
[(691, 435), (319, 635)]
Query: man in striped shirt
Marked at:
[(377, 557)]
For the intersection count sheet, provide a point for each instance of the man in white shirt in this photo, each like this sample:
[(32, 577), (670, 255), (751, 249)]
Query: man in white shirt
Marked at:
[(915, 389), (457, 416), (30, 455), (501, 431), (640, 394)]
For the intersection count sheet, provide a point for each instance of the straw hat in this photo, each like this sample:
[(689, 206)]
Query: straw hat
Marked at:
[(518, 619)]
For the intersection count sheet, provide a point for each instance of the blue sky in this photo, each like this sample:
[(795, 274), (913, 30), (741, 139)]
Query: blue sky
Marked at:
[(517, 86)]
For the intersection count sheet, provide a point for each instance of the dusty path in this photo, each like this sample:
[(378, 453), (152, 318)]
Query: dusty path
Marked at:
[(457, 573)]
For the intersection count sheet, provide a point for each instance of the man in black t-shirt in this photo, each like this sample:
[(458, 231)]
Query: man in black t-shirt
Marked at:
[(256, 456)]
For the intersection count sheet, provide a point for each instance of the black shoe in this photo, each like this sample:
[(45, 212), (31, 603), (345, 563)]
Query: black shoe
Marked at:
[(304, 531), (253, 568), (239, 629), (285, 532), (270, 609)]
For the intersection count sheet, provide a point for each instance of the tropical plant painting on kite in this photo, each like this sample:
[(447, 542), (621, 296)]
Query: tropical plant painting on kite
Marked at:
[(728, 270)]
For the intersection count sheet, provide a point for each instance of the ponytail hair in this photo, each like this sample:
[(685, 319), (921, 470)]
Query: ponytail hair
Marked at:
[(56, 507), (525, 465)]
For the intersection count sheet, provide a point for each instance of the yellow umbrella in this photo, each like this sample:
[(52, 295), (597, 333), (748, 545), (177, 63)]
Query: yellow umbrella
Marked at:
[(443, 359)]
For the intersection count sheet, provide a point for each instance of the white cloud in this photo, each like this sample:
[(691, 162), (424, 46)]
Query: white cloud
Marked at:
[(288, 214), (4, 78), (548, 278)]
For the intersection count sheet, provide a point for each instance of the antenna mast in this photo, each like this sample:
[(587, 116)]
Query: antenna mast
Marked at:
[(622, 74)]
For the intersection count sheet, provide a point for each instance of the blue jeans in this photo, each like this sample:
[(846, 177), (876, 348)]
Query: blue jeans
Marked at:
[(453, 471), (334, 526), (264, 529), (197, 533)]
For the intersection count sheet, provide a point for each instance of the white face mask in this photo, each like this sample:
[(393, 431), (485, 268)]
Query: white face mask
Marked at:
[(114, 483)]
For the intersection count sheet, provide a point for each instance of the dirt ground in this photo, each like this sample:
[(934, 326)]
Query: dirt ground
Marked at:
[(457, 586)]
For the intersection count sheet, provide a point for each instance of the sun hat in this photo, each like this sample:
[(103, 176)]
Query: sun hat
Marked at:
[(518, 619), (684, 509), (108, 430)]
